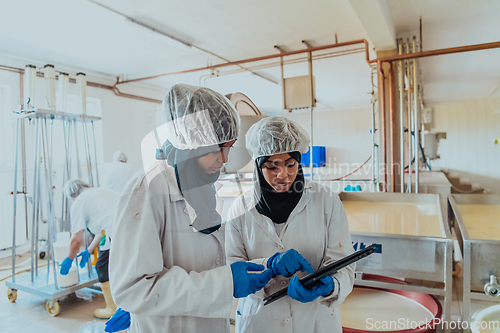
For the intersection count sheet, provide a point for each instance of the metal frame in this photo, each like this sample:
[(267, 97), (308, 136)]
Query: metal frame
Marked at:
[(481, 257), (36, 282), (404, 256)]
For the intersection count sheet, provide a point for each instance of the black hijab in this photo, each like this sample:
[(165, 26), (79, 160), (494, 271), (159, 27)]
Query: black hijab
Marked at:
[(196, 186), (277, 206)]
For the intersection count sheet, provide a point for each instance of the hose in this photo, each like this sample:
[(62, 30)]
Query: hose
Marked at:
[(351, 173), (23, 271)]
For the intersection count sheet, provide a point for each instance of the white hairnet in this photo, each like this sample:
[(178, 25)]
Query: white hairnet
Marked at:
[(74, 188), (119, 156), (198, 117), (276, 135)]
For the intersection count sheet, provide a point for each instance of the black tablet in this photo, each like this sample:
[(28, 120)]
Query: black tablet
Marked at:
[(327, 270)]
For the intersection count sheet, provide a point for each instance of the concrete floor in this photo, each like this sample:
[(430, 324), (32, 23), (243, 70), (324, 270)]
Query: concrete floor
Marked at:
[(28, 313)]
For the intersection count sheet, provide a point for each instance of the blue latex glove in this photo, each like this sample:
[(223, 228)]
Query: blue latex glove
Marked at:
[(246, 283), (85, 257), (301, 294), (65, 266), (288, 263), (119, 321)]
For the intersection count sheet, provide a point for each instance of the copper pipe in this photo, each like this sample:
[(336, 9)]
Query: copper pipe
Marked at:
[(420, 28), (12, 69), (459, 49), (294, 61), (391, 130), (367, 53), (282, 69), (140, 98), (272, 56), (383, 131)]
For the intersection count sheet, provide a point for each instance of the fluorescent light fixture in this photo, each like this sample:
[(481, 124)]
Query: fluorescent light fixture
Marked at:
[(161, 35)]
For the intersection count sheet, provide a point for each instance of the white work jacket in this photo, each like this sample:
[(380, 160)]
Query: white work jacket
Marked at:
[(94, 210), (317, 228), (168, 276)]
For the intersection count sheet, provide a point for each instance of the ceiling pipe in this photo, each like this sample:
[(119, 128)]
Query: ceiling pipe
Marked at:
[(12, 69), (475, 47), (383, 130), (391, 130), (451, 50), (244, 61)]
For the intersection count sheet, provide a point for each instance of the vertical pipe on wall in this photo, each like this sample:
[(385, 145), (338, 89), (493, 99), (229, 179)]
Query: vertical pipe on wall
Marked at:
[(416, 114), (383, 132), (401, 119), (409, 77), (313, 104), (392, 132), (282, 67), (373, 100)]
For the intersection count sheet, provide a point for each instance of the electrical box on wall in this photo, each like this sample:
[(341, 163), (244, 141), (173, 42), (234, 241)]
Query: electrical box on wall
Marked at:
[(427, 116), (299, 93)]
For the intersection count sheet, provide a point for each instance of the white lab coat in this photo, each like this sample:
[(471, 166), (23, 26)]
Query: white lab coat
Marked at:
[(171, 278), (115, 175), (94, 209), (317, 228)]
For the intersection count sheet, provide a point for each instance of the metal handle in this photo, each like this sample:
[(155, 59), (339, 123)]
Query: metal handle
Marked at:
[(492, 288)]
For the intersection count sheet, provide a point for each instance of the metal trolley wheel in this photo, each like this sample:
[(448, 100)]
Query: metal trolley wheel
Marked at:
[(54, 308), (12, 295)]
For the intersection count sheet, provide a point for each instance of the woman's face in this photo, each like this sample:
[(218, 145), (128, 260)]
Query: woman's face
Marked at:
[(213, 162), (280, 171)]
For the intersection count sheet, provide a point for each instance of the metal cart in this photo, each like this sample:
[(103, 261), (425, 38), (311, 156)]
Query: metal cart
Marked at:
[(45, 284)]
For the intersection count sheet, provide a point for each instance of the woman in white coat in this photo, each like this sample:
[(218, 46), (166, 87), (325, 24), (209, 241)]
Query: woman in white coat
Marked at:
[(167, 260), (285, 223)]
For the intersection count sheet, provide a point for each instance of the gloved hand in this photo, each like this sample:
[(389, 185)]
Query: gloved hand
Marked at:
[(301, 294), (288, 263), (245, 283), (65, 266), (85, 257), (119, 321)]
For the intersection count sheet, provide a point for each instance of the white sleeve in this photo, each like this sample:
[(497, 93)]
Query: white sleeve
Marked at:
[(235, 242), (139, 281), (235, 247), (339, 246)]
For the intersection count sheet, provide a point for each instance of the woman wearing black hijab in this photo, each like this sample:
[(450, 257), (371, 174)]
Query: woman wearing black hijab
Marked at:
[(167, 255), (290, 225)]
